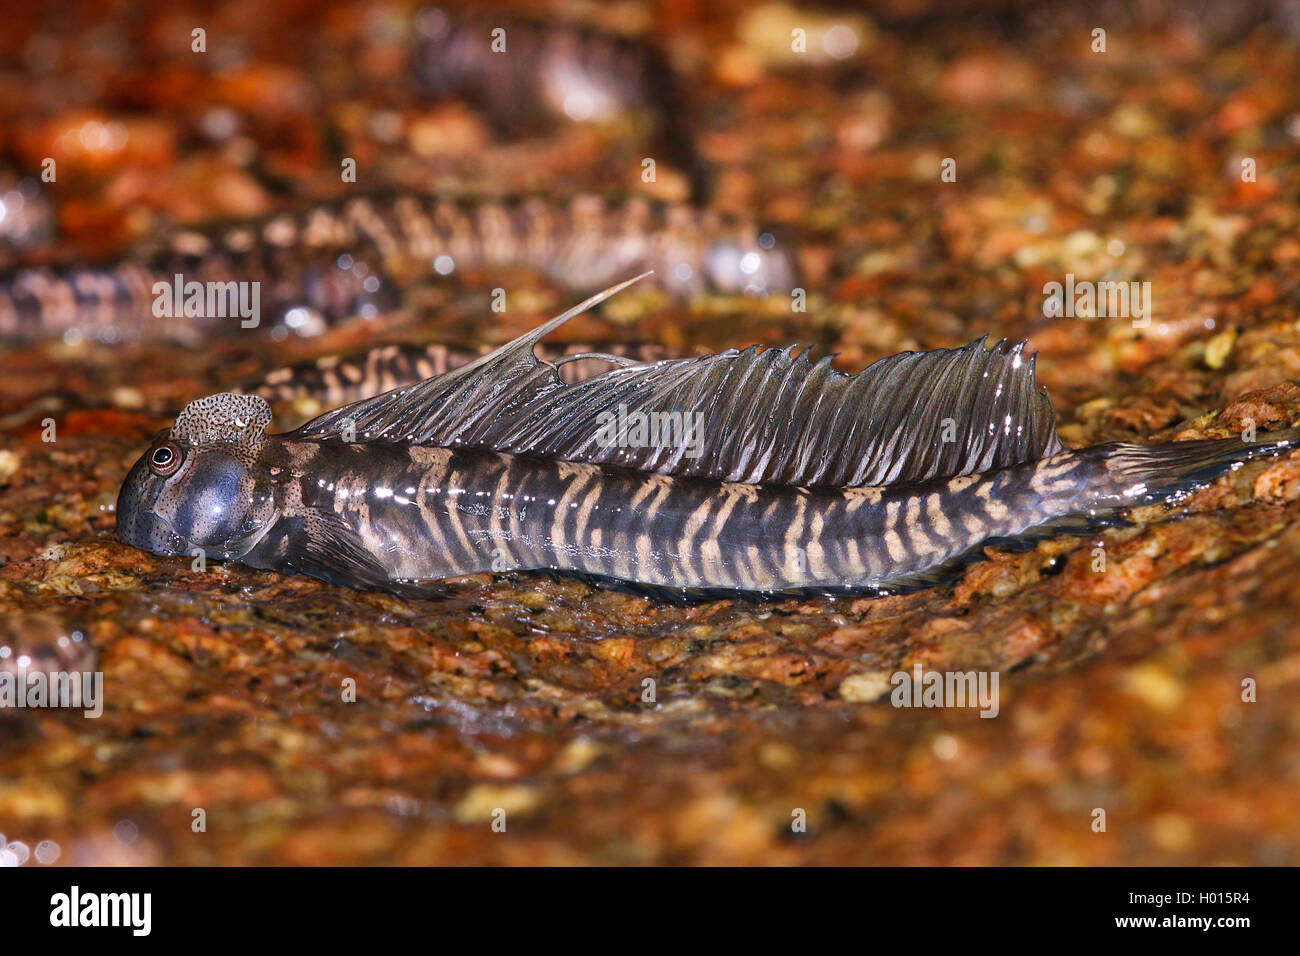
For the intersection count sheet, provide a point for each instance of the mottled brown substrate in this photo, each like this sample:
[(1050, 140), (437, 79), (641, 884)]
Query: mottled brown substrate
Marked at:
[(1121, 689)]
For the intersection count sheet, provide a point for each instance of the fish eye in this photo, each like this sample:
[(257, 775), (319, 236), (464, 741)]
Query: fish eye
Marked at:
[(165, 459)]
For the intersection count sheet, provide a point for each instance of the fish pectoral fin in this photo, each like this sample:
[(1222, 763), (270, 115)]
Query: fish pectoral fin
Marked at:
[(334, 552)]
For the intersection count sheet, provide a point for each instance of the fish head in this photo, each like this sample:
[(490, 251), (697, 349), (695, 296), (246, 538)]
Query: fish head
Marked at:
[(759, 265), (201, 486)]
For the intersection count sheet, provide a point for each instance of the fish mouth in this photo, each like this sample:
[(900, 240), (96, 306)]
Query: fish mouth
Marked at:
[(155, 534), (137, 523), (149, 532)]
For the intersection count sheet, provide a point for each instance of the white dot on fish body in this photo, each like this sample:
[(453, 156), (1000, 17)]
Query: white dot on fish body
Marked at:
[(444, 265)]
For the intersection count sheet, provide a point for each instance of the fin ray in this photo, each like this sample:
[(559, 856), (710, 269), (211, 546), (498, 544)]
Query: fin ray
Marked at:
[(767, 416)]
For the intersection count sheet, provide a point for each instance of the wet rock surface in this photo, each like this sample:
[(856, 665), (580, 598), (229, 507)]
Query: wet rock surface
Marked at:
[(312, 724)]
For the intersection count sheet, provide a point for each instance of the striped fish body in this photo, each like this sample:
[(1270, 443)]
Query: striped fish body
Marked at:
[(424, 514), (401, 518), (338, 260), (305, 280), (792, 478)]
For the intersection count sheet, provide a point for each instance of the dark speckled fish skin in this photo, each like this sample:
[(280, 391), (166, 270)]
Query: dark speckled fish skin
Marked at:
[(336, 260)]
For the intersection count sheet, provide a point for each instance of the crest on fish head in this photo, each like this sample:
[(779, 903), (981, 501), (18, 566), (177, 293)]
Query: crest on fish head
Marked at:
[(227, 418)]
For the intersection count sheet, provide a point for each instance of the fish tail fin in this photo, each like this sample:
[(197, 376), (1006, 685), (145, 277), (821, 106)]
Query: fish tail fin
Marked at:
[(1144, 474)]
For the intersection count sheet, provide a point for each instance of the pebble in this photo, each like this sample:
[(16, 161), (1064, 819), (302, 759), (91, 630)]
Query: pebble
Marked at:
[(865, 687)]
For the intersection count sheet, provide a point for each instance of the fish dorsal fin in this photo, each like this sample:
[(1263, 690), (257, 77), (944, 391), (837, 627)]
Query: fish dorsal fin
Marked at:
[(752, 416), (460, 407), (226, 418)]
